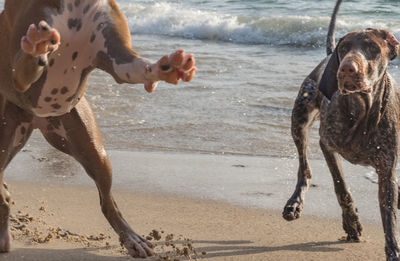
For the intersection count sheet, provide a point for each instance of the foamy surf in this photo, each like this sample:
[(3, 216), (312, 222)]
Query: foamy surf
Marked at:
[(175, 20)]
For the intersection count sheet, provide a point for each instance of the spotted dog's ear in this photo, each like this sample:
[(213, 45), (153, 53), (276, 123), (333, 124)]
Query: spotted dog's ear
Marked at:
[(329, 83), (393, 44)]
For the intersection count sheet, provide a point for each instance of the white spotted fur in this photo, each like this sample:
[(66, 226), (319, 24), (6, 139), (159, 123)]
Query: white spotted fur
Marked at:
[(87, 51), (78, 41)]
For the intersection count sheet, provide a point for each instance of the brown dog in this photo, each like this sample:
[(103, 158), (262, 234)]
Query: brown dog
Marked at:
[(359, 106), (47, 50)]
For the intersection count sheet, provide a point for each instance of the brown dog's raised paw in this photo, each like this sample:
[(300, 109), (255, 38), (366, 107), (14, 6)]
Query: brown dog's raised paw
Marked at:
[(40, 39)]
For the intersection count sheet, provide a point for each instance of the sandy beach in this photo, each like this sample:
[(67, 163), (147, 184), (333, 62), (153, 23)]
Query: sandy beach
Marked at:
[(217, 207), (216, 230)]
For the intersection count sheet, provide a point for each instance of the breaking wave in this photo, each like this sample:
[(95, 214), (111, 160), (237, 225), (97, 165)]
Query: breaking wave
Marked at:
[(173, 20)]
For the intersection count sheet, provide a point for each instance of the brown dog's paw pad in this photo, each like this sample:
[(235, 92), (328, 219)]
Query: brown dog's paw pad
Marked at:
[(40, 39)]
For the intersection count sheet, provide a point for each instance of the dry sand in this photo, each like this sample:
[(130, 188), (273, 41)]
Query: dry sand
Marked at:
[(64, 222)]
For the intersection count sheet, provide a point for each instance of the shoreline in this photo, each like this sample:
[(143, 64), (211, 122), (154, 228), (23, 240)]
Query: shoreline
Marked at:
[(222, 231), (256, 182)]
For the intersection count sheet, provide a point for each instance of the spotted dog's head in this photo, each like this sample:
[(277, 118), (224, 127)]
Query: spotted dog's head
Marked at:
[(359, 62)]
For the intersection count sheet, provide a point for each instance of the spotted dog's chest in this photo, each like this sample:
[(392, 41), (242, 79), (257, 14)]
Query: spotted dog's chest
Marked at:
[(64, 79)]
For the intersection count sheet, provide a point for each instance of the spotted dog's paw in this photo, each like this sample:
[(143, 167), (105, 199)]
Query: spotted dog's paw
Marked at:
[(173, 68), (177, 66), (40, 39), (136, 245)]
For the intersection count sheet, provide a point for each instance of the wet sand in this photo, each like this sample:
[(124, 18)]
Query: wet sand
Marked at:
[(217, 231)]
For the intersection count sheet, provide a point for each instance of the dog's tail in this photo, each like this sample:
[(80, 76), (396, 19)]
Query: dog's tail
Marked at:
[(330, 40)]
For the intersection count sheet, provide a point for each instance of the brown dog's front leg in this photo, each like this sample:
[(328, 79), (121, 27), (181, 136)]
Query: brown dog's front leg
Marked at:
[(304, 113), (388, 197), (350, 219)]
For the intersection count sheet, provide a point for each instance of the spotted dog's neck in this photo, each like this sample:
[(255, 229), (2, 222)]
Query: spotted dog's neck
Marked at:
[(89, 39), (79, 24)]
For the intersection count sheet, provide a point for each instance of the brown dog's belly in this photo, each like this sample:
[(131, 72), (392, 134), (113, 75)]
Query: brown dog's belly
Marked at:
[(355, 152), (357, 156)]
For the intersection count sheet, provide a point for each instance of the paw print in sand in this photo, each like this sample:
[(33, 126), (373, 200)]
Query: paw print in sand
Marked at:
[(40, 39)]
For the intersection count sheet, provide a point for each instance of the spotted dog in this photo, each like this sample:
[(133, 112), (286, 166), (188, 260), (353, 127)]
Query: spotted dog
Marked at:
[(358, 103), (47, 50)]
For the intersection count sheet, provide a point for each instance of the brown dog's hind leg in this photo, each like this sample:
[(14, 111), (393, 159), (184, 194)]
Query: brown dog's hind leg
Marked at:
[(351, 222), (15, 129), (304, 113), (83, 141)]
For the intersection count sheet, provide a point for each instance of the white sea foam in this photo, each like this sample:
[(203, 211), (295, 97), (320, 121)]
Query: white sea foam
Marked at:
[(164, 18)]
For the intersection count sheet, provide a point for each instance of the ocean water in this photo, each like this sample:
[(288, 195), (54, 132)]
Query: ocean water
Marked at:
[(252, 57)]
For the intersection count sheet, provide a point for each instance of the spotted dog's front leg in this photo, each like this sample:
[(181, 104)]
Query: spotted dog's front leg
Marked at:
[(114, 54), (30, 61), (173, 68)]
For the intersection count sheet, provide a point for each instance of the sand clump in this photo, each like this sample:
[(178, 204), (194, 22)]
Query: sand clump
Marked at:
[(34, 229), (169, 247)]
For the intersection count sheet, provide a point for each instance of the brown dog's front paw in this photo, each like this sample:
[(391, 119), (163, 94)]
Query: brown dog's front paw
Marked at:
[(177, 66), (40, 39), (292, 210), (352, 227)]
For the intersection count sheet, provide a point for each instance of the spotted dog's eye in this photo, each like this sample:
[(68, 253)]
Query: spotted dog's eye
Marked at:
[(165, 67)]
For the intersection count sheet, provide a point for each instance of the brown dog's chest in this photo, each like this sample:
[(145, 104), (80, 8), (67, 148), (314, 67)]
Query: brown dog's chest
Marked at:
[(63, 83), (358, 134)]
